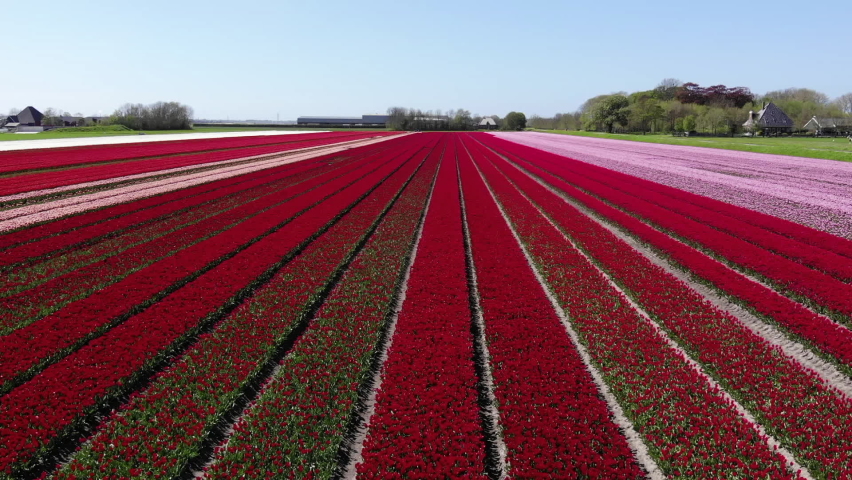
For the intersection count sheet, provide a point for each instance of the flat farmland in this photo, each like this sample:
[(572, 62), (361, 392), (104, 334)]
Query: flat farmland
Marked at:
[(428, 305)]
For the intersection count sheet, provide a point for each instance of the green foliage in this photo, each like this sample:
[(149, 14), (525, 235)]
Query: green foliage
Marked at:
[(93, 129), (515, 121), (156, 116), (560, 121), (612, 110), (716, 109)]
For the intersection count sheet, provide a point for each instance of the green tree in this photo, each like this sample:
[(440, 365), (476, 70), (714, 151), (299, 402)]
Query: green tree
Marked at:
[(612, 110), (689, 123), (515, 121)]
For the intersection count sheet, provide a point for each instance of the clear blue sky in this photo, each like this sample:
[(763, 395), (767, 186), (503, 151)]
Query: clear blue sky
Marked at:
[(256, 59)]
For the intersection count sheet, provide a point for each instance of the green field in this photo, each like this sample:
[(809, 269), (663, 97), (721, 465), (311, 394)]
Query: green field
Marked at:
[(90, 133), (825, 148)]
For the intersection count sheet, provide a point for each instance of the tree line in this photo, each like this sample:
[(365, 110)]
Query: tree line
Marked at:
[(411, 119), (674, 106), (156, 116), (136, 116)]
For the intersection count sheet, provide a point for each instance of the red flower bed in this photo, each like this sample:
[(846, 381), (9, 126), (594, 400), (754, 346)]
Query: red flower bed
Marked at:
[(42, 180), (50, 290), (554, 421), (31, 415), (119, 215), (23, 160), (426, 422), (36, 343), (173, 204), (825, 335), (186, 401), (305, 422), (667, 401), (753, 227), (67, 258), (794, 404), (786, 274)]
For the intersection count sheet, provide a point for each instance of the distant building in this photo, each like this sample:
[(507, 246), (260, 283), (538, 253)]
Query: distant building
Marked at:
[(30, 117), (362, 121), (71, 121), (9, 123), (488, 123), (829, 126), (91, 120), (771, 119)]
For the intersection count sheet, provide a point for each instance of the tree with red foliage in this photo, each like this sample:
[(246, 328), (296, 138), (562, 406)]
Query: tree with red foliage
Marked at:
[(717, 95)]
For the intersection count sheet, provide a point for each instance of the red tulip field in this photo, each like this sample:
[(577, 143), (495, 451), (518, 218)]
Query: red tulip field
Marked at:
[(428, 305)]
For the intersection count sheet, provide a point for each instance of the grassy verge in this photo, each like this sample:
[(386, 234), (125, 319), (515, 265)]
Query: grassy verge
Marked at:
[(824, 148)]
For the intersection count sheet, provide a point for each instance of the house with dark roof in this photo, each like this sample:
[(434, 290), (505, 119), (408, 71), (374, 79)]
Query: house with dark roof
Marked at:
[(30, 117), (829, 126), (771, 119)]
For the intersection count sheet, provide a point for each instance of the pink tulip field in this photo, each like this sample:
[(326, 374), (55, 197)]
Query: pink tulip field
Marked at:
[(385, 305)]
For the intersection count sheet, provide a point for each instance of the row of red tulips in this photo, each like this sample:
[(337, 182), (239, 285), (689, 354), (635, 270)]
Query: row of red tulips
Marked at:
[(23, 160), (786, 275), (814, 248), (41, 289), (94, 297), (689, 426), (96, 223), (792, 402), (553, 420), (824, 337), (426, 421), (28, 182), (51, 406), (304, 413), (102, 224), (160, 432), (173, 229)]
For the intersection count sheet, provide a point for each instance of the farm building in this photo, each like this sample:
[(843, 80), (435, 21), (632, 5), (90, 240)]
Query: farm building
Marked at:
[(363, 120), (68, 121), (30, 117), (771, 119), (488, 123), (829, 126), (9, 120)]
